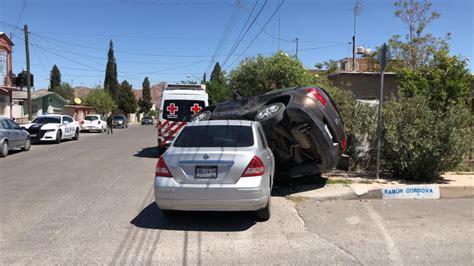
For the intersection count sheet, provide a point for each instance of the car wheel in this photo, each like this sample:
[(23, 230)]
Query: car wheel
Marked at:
[(4, 149), (76, 136), (264, 214), (27, 145), (58, 137), (202, 116), (271, 114)]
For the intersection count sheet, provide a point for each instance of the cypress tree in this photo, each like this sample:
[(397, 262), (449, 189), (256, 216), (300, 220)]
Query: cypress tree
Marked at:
[(54, 78), (217, 87), (145, 102), (111, 84)]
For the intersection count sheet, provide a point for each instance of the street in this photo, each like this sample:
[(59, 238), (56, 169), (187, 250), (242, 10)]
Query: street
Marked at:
[(91, 202)]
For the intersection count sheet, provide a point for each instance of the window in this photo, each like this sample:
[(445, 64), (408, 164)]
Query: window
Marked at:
[(14, 125), (68, 119), (215, 136), (262, 137), (181, 110), (3, 67), (91, 118), (6, 125), (47, 120)]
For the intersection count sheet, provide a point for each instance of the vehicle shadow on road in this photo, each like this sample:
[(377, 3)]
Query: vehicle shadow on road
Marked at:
[(150, 152), (151, 218), (286, 186)]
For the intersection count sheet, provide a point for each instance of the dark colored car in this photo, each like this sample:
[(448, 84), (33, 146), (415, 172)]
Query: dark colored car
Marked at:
[(302, 125), (147, 120), (119, 121), (12, 136)]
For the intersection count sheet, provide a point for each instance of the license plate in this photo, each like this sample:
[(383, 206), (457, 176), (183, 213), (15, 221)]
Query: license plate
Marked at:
[(33, 135), (206, 172)]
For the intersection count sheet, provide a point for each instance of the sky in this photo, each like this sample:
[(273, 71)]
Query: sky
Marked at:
[(177, 40)]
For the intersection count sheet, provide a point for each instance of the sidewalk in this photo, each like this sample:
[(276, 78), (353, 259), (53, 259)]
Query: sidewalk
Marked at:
[(343, 186)]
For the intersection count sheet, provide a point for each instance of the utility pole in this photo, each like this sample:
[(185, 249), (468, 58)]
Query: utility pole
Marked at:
[(28, 78), (204, 77), (296, 47), (356, 13), (384, 58)]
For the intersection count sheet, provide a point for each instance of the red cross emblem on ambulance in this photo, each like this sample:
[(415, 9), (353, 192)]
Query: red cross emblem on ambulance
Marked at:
[(196, 108), (172, 108)]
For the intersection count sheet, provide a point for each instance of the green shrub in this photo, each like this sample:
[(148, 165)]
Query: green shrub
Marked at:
[(421, 143), (360, 122)]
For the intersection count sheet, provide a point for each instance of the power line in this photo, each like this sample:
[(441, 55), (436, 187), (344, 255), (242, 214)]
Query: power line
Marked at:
[(256, 36), (19, 18), (237, 43)]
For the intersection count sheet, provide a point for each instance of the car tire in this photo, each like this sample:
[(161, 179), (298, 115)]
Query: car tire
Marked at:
[(27, 145), (271, 114), (4, 149), (76, 135), (58, 137), (203, 116), (265, 213)]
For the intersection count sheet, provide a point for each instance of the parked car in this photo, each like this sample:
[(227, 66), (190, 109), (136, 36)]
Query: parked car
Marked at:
[(120, 121), (53, 128), (302, 125), (93, 123), (147, 120), (216, 166), (12, 136)]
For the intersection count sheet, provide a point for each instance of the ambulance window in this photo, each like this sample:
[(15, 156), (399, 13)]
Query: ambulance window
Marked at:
[(181, 110)]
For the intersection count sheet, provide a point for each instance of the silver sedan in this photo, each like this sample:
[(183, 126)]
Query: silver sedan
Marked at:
[(217, 166)]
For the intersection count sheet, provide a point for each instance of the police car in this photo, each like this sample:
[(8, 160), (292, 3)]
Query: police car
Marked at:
[(53, 128)]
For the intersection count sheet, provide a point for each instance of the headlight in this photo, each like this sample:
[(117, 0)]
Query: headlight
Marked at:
[(49, 130)]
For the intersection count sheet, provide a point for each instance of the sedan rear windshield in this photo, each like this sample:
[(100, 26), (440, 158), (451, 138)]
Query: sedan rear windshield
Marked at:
[(91, 118), (118, 117), (47, 120), (215, 136)]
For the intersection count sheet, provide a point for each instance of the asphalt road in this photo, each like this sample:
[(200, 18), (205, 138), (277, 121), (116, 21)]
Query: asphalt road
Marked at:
[(91, 202)]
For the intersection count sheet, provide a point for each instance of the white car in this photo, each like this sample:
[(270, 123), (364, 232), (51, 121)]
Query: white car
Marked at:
[(93, 123), (53, 128)]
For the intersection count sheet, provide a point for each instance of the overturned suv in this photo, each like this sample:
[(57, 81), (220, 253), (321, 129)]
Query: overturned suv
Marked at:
[(302, 125)]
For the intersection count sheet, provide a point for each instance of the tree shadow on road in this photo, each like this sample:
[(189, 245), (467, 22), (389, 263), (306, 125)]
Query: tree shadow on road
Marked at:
[(150, 152), (151, 218)]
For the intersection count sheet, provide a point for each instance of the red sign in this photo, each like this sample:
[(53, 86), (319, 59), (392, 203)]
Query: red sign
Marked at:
[(196, 108), (172, 108)]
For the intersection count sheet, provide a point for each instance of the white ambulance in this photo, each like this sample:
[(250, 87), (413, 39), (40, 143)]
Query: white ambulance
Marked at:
[(179, 103)]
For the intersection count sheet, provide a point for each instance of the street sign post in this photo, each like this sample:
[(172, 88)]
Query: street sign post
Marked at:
[(384, 57)]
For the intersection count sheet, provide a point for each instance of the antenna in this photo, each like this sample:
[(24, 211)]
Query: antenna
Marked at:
[(357, 9)]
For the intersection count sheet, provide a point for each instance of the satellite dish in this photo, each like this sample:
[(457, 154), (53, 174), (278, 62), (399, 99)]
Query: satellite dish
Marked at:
[(77, 100)]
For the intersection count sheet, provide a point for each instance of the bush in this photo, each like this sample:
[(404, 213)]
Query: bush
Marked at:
[(360, 123), (421, 143)]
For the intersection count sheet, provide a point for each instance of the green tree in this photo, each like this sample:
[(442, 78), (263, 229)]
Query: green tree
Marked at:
[(65, 90), (145, 103), (127, 102), (445, 80), (54, 78), (100, 100), (418, 47), (217, 87), (111, 84), (262, 74)]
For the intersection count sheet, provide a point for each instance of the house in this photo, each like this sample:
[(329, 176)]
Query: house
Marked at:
[(6, 75), (44, 101)]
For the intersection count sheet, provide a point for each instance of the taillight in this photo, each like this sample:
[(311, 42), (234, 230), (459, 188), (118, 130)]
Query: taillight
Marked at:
[(99, 122), (255, 167), (318, 95), (161, 168), (344, 144)]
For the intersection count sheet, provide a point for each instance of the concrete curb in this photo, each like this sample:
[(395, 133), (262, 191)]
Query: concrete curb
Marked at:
[(360, 192)]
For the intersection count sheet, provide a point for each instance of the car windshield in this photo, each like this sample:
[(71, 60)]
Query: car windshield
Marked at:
[(118, 117), (215, 136), (47, 120), (91, 118), (147, 117)]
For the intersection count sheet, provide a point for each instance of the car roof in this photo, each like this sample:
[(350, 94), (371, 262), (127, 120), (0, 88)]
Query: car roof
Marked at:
[(223, 123)]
